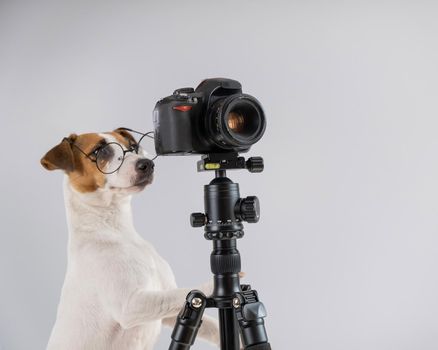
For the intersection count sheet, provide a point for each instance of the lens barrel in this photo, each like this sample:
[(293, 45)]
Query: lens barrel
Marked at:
[(236, 121)]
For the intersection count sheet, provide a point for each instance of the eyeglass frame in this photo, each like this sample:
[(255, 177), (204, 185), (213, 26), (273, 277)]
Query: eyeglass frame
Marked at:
[(96, 151)]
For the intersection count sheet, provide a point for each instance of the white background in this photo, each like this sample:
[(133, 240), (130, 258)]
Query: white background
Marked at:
[(346, 253)]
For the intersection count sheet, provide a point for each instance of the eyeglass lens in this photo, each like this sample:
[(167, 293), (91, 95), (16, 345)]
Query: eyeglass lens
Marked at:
[(148, 145), (110, 158)]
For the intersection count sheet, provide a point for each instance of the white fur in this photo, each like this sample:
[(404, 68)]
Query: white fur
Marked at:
[(118, 290)]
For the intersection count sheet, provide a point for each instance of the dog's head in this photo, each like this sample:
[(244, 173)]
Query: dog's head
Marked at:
[(110, 161)]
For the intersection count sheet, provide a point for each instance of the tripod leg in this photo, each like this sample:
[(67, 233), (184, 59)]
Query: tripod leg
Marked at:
[(188, 321), (250, 313), (228, 330)]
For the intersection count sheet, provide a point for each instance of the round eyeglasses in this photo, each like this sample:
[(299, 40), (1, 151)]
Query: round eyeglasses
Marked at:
[(110, 156)]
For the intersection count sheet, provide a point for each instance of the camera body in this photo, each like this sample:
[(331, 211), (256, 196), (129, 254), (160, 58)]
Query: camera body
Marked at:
[(216, 117)]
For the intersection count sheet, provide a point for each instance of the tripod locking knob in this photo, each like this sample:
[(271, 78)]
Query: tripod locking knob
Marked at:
[(198, 219), (255, 164), (248, 209)]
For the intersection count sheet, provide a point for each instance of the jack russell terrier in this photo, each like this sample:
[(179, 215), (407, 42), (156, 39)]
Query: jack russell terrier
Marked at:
[(118, 291)]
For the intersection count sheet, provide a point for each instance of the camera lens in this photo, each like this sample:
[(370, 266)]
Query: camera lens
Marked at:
[(237, 121), (244, 121)]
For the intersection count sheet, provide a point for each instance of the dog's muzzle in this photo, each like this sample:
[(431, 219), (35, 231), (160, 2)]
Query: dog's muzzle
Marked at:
[(145, 169)]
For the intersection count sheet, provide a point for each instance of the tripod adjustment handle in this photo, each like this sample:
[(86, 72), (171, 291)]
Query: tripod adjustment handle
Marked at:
[(255, 164), (250, 313), (248, 209), (198, 219)]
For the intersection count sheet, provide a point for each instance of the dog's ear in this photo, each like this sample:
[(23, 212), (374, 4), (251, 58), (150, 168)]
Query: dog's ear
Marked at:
[(127, 135), (61, 156)]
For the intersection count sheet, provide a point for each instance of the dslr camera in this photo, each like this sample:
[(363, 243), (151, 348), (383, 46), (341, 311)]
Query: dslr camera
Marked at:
[(216, 117)]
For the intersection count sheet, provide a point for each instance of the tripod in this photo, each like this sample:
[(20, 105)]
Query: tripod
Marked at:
[(239, 305)]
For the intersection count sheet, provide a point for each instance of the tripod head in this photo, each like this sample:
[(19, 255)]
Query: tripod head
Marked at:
[(224, 209)]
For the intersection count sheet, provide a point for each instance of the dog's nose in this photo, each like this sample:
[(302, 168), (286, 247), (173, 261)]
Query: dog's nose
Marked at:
[(144, 165)]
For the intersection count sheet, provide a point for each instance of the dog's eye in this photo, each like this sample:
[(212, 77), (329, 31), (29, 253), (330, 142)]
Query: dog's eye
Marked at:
[(97, 148), (105, 152), (110, 157), (95, 151), (133, 147)]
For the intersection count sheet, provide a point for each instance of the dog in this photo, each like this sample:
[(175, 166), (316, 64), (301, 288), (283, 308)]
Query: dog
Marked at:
[(118, 291)]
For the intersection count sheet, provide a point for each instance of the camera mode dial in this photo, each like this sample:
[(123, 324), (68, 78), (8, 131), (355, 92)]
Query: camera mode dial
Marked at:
[(184, 91)]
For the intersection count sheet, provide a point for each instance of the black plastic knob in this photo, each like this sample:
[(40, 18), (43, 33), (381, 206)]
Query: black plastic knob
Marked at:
[(184, 91), (255, 164), (198, 219), (249, 209)]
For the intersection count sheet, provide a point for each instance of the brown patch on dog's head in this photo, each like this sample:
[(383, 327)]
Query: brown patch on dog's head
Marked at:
[(82, 172), (124, 137)]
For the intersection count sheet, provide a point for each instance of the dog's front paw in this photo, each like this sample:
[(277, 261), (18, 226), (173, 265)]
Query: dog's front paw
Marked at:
[(209, 330)]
